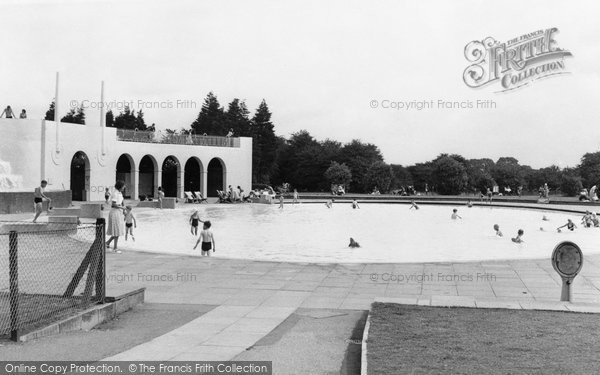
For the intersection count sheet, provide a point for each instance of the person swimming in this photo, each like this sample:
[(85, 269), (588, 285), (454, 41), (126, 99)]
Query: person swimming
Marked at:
[(570, 226), (329, 203), (355, 204), (469, 204), (497, 229), (455, 215), (519, 238), (353, 244), (413, 205), (544, 218)]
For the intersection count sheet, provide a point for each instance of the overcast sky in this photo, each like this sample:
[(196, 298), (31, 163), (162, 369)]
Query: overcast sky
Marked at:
[(318, 64)]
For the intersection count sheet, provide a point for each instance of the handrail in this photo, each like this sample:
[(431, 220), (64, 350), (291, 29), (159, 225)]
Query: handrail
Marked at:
[(128, 135)]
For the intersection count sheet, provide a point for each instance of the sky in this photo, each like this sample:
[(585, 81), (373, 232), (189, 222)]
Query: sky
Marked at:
[(321, 66)]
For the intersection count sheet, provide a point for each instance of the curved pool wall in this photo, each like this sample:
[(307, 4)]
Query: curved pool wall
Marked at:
[(387, 233)]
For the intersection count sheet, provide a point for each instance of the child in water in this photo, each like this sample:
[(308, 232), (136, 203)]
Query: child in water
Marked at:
[(519, 238), (329, 203), (353, 244), (570, 226), (207, 238), (413, 205), (194, 220), (497, 229), (355, 204), (469, 204), (281, 202), (130, 222), (455, 215)]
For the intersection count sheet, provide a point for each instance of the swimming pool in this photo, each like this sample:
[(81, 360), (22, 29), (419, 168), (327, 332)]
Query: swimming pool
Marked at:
[(386, 233)]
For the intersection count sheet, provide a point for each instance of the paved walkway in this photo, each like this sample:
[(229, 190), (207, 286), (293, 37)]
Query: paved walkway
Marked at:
[(252, 298)]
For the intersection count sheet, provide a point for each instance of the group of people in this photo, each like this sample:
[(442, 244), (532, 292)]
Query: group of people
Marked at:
[(589, 196), (8, 113), (517, 239)]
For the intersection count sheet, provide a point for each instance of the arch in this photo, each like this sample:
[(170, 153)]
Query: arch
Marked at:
[(192, 175), (171, 171), (80, 176), (125, 172), (216, 177), (148, 177)]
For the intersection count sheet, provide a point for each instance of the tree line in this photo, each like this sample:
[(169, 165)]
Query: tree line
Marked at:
[(308, 164)]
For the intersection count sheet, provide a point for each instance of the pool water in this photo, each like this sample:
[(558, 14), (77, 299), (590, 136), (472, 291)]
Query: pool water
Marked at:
[(386, 233)]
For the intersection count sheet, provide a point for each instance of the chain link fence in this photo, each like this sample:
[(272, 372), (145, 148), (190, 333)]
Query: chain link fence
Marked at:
[(48, 271)]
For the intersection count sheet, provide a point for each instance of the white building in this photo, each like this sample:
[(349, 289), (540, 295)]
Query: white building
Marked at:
[(87, 159)]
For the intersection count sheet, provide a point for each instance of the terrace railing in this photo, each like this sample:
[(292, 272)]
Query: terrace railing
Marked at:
[(176, 139)]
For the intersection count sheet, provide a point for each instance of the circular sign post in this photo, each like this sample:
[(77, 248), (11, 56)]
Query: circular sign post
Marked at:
[(567, 260)]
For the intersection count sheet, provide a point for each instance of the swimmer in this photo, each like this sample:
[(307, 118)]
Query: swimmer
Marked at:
[(469, 204), (519, 238), (194, 220), (353, 244), (497, 229), (329, 203), (570, 226), (544, 218), (281, 202), (455, 215), (355, 204), (595, 220), (586, 220), (413, 205), (208, 240), (542, 229)]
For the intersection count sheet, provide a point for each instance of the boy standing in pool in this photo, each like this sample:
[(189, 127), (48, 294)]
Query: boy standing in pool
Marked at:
[(161, 195), (130, 222), (194, 220), (519, 238), (455, 215), (207, 238), (38, 199)]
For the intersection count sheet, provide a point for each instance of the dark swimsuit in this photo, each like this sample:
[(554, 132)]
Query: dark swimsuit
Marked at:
[(206, 246), (37, 200), (195, 223)]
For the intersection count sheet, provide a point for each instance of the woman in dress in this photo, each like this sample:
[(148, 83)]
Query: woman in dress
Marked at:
[(116, 220)]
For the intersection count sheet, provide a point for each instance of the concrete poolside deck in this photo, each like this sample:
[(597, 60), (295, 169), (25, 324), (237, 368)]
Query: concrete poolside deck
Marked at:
[(253, 298)]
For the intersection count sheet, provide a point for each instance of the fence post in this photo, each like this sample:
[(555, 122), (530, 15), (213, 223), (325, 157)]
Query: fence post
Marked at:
[(14, 284), (101, 273)]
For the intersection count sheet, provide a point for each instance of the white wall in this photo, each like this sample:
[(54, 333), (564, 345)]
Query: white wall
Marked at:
[(23, 142)]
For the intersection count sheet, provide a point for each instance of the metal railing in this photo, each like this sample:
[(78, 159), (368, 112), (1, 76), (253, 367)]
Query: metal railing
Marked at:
[(176, 139)]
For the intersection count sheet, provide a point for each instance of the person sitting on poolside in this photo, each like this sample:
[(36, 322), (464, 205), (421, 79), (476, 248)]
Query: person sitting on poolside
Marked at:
[(497, 229), (353, 244), (455, 215), (570, 225), (519, 238), (413, 205)]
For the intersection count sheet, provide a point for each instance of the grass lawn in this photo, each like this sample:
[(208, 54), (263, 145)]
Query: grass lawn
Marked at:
[(407, 339)]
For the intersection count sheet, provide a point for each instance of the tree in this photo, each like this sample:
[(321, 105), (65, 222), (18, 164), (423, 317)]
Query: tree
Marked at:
[(507, 172), (449, 175), (338, 174), (50, 112), (422, 173), (75, 116), (210, 119), (379, 175), (589, 169), (264, 143), (359, 157), (237, 118), (140, 124), (480, 174), (110, 118), (126, 119), (402, 177), (570, 182)]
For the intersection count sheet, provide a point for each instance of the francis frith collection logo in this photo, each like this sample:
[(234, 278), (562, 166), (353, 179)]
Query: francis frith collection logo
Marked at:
[(515, 63)]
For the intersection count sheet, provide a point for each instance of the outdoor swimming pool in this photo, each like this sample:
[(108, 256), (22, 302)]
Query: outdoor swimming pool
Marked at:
[(386, 233)]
